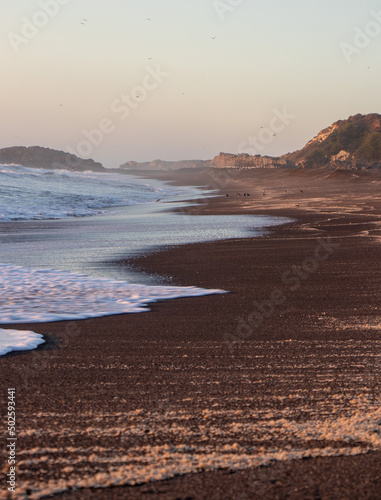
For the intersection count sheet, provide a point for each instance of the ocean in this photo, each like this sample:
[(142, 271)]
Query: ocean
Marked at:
[(41, 194), (62, 232)]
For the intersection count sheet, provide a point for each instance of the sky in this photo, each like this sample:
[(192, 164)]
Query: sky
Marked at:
[(121, 80)]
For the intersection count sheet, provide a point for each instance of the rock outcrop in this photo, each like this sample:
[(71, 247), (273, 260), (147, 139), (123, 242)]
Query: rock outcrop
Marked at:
[(242, 161)]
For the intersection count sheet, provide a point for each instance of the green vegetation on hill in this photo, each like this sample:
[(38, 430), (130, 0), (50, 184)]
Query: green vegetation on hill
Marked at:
[(371, 148), (360, 136), (316, 157)]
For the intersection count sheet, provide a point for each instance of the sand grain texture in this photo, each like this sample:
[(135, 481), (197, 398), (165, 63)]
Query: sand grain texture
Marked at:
[(189, 388)]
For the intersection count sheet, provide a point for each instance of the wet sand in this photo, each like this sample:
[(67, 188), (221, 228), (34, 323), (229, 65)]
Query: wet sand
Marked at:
[(276, 377)]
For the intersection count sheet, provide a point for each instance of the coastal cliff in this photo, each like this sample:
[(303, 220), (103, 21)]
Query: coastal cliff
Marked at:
[(352, 144), (227, 160)]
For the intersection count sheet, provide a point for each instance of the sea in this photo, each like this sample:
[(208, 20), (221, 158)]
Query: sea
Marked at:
[(63, 235)]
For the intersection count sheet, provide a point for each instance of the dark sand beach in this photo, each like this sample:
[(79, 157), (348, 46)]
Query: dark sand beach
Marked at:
[(276, 384)]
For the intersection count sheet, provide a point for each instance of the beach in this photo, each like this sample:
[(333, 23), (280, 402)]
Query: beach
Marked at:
[(269, 391)]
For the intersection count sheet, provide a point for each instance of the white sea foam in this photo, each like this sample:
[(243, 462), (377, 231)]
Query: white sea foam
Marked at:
[(37, 193), (18, 340), (42, 295)]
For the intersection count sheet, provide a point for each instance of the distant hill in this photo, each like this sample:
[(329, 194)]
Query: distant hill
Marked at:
[(165, 165), (38, 157), (354, 143)]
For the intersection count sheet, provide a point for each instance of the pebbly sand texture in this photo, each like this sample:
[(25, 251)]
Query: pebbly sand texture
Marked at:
[(271, 391)]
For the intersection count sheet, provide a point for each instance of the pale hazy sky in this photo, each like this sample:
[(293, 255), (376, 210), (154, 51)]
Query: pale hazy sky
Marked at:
[(198, 95)]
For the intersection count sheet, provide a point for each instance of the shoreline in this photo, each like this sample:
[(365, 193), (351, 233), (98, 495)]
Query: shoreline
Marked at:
[(183, 338)]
